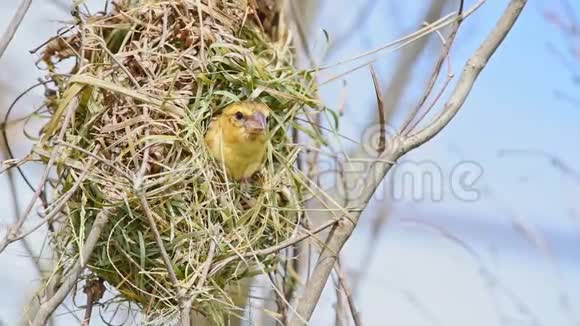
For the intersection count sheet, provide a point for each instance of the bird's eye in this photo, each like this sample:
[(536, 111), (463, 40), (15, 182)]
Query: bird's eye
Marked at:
[(239, 115)]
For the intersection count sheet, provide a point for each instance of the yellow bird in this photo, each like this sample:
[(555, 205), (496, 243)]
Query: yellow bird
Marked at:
[(237, 138)]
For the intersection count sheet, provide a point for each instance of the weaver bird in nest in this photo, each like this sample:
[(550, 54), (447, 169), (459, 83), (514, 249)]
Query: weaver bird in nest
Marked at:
[(238, 137)]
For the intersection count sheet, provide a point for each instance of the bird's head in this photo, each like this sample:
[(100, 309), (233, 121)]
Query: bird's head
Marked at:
[(247, 119)]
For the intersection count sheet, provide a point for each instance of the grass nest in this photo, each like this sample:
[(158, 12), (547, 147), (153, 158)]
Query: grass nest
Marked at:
[(128, 123)]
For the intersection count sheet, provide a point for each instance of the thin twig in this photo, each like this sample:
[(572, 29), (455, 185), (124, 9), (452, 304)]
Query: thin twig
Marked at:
[(570, 11), (381, 109), (60, 202), (469, 75), (14, 229), (94, 290), (436, 69), (409, 38), (342, 231), (436, 99), (487, 274), (5, 135), (14, 163), (58, 35), (70, 279), (16, 208), (339, 318), (348, 293), (421, 115), (14, 24), (407, 62)]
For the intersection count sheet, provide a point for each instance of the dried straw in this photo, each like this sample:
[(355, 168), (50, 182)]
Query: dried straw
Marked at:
[(147, 78)]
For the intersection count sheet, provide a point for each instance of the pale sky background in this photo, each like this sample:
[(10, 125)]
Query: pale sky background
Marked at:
[(419, 276)]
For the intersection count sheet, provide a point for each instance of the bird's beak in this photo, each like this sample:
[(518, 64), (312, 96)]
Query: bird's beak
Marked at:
[(256, 123)]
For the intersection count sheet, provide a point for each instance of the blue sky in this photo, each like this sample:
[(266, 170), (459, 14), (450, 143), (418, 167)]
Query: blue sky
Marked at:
[(512, 106)]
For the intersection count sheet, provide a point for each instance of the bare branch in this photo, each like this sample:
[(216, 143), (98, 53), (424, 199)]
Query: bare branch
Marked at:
[(13, 26), (339, 310), (436, 70), (16, 208), (469, 75), (342, 231), (381, 111), (348, 293), (408, 60), (94, 290), (14, 229), (57, 205), (5, 135), (71, 278), (8, 164)]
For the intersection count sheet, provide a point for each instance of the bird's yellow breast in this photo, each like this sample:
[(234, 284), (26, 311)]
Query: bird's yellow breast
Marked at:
[(241, 154)]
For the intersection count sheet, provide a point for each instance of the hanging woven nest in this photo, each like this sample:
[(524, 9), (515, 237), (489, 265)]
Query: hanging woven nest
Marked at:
[(128, 122)]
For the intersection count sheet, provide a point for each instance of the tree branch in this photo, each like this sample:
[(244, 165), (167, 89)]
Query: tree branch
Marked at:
[(343, 285), (342, 231), (13, 26), (471, 71), (404, 68), (436, 70), (70, 280), (381, 111), (14, 229)]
